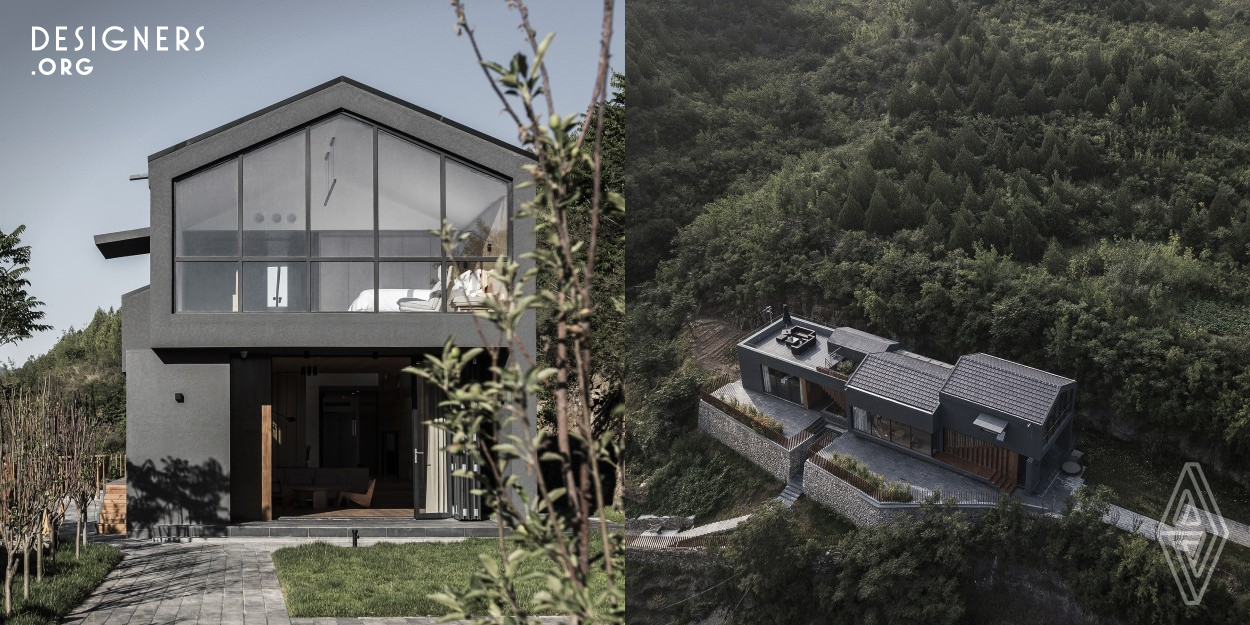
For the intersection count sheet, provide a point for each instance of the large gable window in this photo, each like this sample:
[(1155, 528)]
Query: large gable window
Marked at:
[(338, 217)]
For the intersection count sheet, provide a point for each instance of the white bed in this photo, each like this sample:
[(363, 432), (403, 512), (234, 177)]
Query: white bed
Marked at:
[(389, 300)]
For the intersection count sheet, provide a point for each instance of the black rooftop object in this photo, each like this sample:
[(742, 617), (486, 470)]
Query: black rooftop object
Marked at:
[(785, 316), (797, 338)]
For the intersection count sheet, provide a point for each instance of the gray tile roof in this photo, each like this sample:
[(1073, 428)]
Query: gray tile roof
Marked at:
[(1005, 386), (861, 342), (902, 378)]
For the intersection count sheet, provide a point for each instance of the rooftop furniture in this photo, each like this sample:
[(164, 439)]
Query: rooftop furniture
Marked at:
[(797, 338)]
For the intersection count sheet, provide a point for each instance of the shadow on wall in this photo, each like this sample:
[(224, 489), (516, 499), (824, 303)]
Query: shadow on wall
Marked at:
[(178, 493)]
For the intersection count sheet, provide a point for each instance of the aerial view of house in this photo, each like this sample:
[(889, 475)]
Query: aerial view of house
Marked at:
[(985, 416), (294, 274)]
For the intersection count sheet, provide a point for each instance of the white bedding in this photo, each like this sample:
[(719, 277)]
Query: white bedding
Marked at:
[(388, 299)]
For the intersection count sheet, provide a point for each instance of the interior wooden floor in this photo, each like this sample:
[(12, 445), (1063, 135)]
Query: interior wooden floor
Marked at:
[(342, 513)]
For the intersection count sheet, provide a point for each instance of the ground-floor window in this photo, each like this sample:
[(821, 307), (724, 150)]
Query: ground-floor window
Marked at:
[(893, 431), (783, 385)]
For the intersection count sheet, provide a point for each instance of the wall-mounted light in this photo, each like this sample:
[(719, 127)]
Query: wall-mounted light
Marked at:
[(178, 397)]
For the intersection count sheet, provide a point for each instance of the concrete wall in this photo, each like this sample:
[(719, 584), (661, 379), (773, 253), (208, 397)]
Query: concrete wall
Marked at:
[(770, 456), (178, 454)]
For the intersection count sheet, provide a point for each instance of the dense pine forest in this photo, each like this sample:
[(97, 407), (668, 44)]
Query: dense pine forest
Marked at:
[(1062, 183)]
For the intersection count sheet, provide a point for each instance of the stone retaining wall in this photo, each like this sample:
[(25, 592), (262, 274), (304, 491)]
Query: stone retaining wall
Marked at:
[(770, 456), (832, 492)]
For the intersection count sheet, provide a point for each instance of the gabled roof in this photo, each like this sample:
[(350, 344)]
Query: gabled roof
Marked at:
[(860, 341), (901, 378), (1006, 386), (358, 85)]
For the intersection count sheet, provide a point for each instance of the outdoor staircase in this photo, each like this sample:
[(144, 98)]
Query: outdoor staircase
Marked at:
[(113, 509), (793, 489)]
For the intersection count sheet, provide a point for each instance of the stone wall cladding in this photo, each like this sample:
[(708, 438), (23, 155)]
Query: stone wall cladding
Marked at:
[(770, 456), (828, 490)]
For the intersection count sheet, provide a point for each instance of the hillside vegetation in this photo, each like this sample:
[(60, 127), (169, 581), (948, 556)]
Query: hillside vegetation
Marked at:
[(1060, 183), (85, 364)]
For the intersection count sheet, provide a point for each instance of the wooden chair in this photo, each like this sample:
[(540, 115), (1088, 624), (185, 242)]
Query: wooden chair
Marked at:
[(364, 499)]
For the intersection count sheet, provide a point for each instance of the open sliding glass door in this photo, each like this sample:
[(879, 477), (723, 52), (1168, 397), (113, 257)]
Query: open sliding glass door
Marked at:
[(436, 493)]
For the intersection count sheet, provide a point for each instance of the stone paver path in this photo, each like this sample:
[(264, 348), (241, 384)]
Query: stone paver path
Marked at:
[(793, 417), (215, 582), (714, 528)]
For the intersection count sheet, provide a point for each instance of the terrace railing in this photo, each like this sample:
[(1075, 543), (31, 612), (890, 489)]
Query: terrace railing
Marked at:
[(881, 492), (787, 442)]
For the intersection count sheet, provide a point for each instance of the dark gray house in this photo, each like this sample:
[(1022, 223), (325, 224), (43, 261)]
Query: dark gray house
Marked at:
[(293, 276), (997, 420)]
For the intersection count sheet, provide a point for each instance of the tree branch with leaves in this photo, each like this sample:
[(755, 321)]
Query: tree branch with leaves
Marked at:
[(578, 561)]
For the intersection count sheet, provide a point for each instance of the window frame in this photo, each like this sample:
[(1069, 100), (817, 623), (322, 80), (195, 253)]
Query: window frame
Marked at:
[(443, 259)]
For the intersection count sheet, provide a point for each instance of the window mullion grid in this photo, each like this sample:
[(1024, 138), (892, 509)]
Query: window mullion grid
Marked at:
[(377, 290), (444, 270), (238, 270), (308, 252)]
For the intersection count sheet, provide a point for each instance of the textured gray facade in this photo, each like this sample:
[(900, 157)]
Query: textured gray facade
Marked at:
[(197, 459), (178, 453), (921, 400)]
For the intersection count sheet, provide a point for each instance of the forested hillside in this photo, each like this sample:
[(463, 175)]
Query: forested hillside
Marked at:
[(1061, 183), (85, 364)]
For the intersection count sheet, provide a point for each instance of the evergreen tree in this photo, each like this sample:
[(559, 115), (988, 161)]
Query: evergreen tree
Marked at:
[(1026, 243), (1007, 105), (970, 139), (881, 154), (965, 164), (852, 215), (1095, 101), (940, 186), (948, 101), (982, 101), (1054, 166), (1065, 102), (1035, 102), (1220, 212), (993, 232), (879, 219), (934, 231), (1082, 158), (910, 212), (1224, 114), (900, 103), (1053, 259), (1197, 110), (863, 181), (1024, 158), (1198, 19), (961, 237)]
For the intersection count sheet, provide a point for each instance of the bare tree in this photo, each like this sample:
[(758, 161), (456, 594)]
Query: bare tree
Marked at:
[(25, 463), (553, 525)]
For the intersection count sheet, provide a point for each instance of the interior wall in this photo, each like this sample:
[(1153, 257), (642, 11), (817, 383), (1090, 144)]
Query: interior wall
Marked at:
[(291, 449), (312, 395)]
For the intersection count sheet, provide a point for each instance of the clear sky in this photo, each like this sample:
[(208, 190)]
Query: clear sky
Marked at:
[(68, 144)]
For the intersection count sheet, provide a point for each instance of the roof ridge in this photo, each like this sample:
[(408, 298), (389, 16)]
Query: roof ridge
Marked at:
[(1020, 364)]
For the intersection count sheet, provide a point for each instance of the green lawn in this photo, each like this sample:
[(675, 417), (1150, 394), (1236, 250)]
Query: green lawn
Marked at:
[(1143, 482), (386, 579), (65, 584)]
